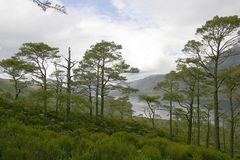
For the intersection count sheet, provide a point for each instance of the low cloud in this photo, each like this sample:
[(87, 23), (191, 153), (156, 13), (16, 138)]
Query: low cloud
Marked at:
[(152, 32)]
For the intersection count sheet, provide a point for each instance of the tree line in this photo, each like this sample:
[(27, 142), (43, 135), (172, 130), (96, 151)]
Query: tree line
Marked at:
[(88, 81), (200, 83)]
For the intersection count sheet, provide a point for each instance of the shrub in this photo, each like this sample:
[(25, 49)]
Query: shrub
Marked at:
[(12, 154), (150, 152), (109, 148)]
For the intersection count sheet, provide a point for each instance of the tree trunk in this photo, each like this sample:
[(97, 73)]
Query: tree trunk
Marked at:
[(224, 139), (90, 100), (208, 129), (60, 103), (122, 114), (102, 102), (177, 126), (189, 139), (102, 89), (45, 94), (97, 89), (194, 131), (17, 90), (68, 109), (232, 123), (57, 97), (216, 108), (57, 104), (198, 113), (153, 120), (170, 114), (17, 94)]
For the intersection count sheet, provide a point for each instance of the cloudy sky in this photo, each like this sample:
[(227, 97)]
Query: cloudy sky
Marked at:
[(152, 32)]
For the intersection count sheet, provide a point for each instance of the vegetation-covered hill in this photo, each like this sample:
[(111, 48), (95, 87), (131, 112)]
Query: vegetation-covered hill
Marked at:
[(146, 85), (6, 86), (25, 134)]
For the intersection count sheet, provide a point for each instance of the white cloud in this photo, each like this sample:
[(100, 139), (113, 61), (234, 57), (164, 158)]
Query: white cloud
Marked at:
[(119, 4), (152, 32)]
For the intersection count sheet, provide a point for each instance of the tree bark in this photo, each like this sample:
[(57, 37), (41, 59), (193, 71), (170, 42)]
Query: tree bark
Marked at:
[(97, 89), (189, 139), (232, 123), (68, 109), (60, 103), (90, 100), (57, 104), (170, 114), (153, 120), (198, 113), (177, 126), (45, 94), (17, 90), (208, 129), (224, 139), (102, 88), (58, 88), (216, 107)]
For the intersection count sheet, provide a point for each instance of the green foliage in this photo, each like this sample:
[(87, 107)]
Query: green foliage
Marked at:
[(225, 25), (231, 77), (17, 70), (151, 152), (217, 37), (15, 67), (24, 134), (38, 55), (169, 86), (150, 99), (153, 104), (102, 69), (25, 142), (37, 50), (120, 107)]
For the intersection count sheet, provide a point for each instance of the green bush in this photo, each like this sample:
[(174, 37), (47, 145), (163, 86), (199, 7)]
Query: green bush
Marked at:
[(109, 148), (27, 135), (151, 153), (12, 154)]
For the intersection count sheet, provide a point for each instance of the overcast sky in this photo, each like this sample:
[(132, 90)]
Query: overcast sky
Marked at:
[(152, 32)]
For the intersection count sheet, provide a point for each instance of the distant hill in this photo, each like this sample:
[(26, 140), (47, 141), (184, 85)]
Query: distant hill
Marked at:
[(232, 60), (6, 86), (146, 85)]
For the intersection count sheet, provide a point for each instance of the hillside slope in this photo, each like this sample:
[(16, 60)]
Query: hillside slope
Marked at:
[(146, 85), (27, 135), (6, 86)]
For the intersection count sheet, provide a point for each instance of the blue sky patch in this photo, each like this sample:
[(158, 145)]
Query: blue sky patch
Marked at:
[(102, 6)]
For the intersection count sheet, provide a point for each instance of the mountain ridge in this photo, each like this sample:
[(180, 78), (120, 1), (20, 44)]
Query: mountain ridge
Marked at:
[(146, 85)]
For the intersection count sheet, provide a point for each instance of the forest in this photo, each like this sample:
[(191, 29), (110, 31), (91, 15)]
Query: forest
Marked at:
[(53, 106)]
